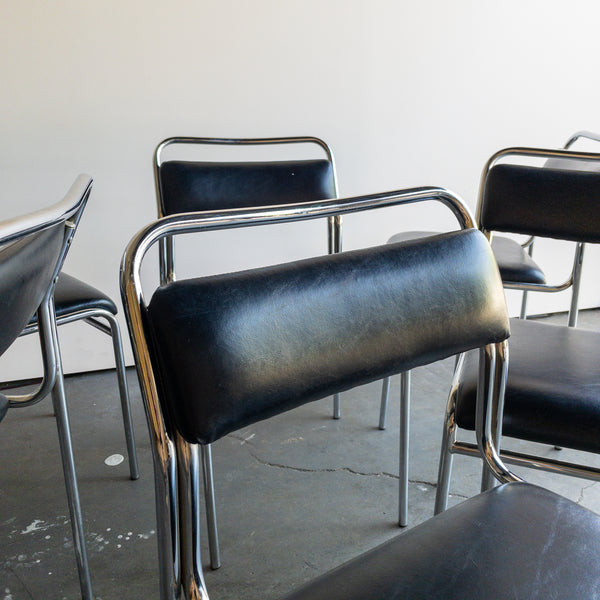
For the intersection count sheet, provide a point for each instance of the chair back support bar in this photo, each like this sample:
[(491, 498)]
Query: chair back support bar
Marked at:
[(237, 348), (535, 200), (198, 186), (32, 250)]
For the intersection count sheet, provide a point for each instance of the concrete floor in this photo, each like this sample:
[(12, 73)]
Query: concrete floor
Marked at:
[(295, 496)]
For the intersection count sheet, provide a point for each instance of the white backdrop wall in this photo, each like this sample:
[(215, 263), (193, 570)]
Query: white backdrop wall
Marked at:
[(406, 93)]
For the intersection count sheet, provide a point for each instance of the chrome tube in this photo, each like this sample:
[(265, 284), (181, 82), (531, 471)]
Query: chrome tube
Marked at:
[(68, 463), (383, 406), (404, 446), (448, 441), (192, 580), (577, 268), (488, 405)]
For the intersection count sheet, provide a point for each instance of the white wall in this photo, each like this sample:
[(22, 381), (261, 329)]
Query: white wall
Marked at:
[(406, 93)]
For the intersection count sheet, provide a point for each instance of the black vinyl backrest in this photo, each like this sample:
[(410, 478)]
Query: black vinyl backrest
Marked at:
[(230, 350), (542, 201), (27, 266), (200, 186)]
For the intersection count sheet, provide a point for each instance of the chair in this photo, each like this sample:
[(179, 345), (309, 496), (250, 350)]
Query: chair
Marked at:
[(518, 271), (552, 388), (219, 353), (75, 300), (32, 251), (188, 186)]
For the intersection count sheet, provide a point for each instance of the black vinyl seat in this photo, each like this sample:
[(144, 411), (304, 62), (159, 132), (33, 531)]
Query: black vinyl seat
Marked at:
[(553, 386), (493, 546), (514, 264), (74, 295), (32, 252), (218, 353)]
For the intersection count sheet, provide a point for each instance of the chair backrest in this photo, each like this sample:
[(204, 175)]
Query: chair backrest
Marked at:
[(192, 186), (237, 348), (186, 186), (32, 250), (556, 200)]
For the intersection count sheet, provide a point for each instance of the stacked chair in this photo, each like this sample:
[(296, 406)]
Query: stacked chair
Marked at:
[(553, 386), (219, 353), (518, 271), (32, 251), (184, 185)]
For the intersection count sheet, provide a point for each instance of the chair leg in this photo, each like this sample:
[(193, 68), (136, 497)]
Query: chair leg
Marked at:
[(337, 411), (68, 463), (448, 440), (523, 314), (124, 394), (404, 447), (385, 394), (211, 513)]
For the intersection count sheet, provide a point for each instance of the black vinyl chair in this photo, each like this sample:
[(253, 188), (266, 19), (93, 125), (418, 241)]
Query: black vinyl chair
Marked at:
[(32, 251), (518, 271), (553, 387), (218, 353), (191, 186), (75, 300)]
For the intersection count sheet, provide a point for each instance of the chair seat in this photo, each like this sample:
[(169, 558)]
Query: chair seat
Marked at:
[(514, 263), (516, 541), (72, 295), (553, 387), (3, 406)]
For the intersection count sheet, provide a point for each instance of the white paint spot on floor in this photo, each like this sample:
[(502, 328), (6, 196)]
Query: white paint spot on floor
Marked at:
[(113, 460), (35, 526), (7, 594)]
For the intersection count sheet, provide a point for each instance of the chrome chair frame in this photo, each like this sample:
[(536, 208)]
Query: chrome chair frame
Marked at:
[(573, 280), (167, 274), (68, 211), (179, 549), (450, 444), (111, 328)]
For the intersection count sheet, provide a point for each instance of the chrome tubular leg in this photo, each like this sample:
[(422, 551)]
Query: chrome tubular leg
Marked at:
[(445, 467), (448, 439), (523, 314), (211, 512), (192, 580), (337, 406), (404, 446), (574, 308), (124, 394), (334, 245), (167, 519), (66, 450), (385, 393)]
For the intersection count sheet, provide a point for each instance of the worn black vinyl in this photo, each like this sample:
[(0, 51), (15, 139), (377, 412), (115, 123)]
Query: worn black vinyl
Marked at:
[(517, 541), (26, 270), (72, 295), (3, 406), (516, 266), (556, 203), (553, 389), (197, 186), (237, 348)]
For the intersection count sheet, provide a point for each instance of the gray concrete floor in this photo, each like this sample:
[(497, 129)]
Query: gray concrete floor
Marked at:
[(295, 496)]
